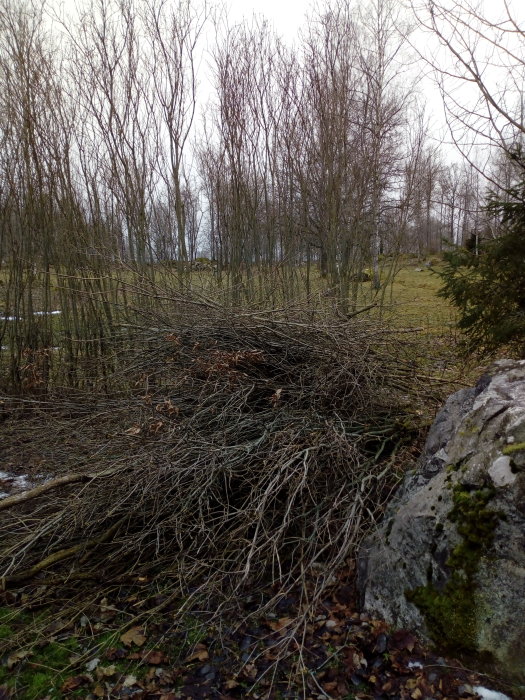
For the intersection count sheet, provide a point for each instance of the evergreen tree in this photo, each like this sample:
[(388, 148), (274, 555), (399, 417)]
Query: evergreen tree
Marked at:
[(488, 288)]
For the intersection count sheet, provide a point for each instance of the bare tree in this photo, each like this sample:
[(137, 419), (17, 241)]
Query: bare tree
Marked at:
[(480, 68), (173, 31)]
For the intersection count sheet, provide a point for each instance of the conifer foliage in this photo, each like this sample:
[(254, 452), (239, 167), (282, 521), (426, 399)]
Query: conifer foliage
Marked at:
[(488, 288)]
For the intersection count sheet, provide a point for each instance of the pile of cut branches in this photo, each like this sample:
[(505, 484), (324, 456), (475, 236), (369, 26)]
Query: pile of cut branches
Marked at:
[(254, 449)]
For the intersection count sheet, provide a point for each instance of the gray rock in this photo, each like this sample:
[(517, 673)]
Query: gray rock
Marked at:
[(448, 560)]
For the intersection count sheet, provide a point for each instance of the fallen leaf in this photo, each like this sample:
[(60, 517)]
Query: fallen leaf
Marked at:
[(250, 671), (280, 624), (107, 612), (113, 654), (134, 430), (129, 681), (15, 658), (99, 691), (105, 672), (156, 427), (229, 685), (402, 639), (135, 635), (154, 657), (329, 687), (274, 398), (74, 683), (200, 654)]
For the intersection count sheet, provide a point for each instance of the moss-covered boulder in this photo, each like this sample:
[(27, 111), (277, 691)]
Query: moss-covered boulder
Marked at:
[(449, 557)]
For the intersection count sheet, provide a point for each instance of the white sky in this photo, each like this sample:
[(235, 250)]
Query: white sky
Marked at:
[(285, 15)]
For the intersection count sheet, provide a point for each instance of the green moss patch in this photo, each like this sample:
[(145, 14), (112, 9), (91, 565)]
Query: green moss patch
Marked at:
[(42, 672), (450, 613), (511, 449)]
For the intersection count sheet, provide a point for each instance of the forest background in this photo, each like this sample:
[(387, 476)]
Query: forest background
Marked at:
[(137, 151)]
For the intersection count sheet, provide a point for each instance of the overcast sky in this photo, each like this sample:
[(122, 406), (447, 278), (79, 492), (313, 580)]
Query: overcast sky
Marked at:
[(286, 15)]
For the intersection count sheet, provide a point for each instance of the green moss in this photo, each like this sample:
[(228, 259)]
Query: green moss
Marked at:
[(42, 674), (511, 449), (450, 613), (5, 631)]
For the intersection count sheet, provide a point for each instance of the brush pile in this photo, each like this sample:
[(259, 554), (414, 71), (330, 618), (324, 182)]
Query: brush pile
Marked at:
[(252, 449)]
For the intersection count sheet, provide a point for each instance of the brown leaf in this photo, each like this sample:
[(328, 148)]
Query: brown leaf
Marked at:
[(200, 654), (114, 654), (154, 657), (74, 683), (106, 611), (156, 427), (280, 624), (135, 635), (105, 672), (134, 430), (129, 681), (15, 658), (249, 671), (329, 687), (402, 639)]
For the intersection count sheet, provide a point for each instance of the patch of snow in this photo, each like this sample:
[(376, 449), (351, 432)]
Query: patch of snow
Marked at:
[(415, 664), (486, 694), (35, 313), (14, 481), (21, 481)]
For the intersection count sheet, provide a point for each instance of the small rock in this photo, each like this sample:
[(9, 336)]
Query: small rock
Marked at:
[(381, 644), (246, 643), (465, 690), (91, 665)]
